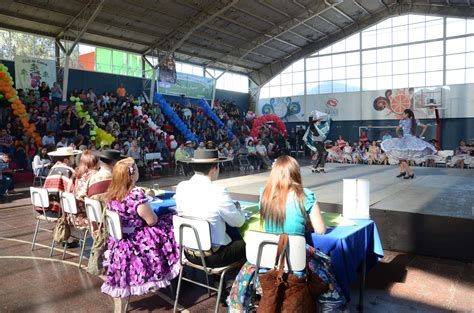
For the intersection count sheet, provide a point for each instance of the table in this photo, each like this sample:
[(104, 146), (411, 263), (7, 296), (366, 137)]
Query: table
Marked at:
[(353, 250), (164, 204), (353, 245)]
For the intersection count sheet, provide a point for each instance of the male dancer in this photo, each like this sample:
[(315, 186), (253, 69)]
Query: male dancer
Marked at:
[(319, 126)]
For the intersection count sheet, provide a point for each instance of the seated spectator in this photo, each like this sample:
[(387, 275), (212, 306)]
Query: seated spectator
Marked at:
[(62, 143), (100, 181), (48, 139), (60, 178), (44, 91), (252, 155), (461, 155), (200, 197), (346, 153), (364, 139), (6, 142), (386, 135), (147, 257), (5, 180), (262, 154), (53, 124), (180, 156), (189, 148), (68, 130), (41, 163), (340, 142), (88, 166), (31, 151), (373, 154), (288, 208)]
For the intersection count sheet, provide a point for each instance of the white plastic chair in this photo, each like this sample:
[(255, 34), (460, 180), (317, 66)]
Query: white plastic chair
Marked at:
[(195, 234), (69, 207), (93, 212), (443, 155), (114, 228), (40, 198), (262, 249), (39, 176)]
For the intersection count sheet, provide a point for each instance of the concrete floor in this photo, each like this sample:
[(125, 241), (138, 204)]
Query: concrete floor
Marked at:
[(34, 282)]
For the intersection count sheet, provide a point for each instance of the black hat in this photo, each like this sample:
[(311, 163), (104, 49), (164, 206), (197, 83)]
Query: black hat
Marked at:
[(113, 155), (206, 156)]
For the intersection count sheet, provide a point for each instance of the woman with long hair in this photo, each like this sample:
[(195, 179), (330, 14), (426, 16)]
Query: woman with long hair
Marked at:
[(286, 207), (41, 162), (407, 147), (88, 166), (147, 255)]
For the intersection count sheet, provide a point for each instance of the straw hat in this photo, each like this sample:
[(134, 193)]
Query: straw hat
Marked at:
[(206, 156), (64, 151)]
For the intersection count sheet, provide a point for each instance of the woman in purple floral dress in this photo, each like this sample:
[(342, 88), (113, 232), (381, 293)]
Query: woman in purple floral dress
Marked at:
[(147, 255)]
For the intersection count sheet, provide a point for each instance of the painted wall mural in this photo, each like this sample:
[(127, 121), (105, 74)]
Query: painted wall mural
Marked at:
[(286, 108), (456, 101)]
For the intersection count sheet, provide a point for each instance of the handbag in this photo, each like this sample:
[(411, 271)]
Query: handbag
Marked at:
[(62, 230), (286, 292), (96, 258)]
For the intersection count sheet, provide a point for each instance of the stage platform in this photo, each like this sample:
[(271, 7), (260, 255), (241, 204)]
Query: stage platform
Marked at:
[(431, 214)]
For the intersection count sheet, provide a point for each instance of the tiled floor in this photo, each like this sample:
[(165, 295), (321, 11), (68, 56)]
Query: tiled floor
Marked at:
[(31, 281)]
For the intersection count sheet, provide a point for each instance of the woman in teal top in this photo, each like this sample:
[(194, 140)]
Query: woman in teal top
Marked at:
[(285, 206)]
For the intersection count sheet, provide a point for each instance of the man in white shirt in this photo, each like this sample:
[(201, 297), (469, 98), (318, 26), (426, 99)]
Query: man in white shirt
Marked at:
[(199, 197), (263, 154)]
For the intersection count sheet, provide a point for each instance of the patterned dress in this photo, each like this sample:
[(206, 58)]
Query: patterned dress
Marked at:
[(409, 147), (145, 259)]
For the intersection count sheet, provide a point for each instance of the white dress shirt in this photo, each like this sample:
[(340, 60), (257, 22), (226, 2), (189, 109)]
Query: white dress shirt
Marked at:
[(199, 197)]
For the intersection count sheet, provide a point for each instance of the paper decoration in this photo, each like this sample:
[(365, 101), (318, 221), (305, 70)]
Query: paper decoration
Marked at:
[(356, 198)]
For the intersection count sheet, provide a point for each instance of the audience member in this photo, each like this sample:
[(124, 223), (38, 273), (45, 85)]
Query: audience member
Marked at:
[(41, 163), (100, 181), (146, 258), (60, 178), (200, 197)]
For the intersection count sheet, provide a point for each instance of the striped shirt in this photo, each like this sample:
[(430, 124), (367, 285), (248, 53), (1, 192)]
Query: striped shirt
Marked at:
[(60, 178)]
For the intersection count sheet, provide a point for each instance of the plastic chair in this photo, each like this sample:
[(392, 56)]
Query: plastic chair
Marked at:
[(193, 233), (69, 206), (93, 212), (39, 176), (179, 169), (262, 249), (40, 198)]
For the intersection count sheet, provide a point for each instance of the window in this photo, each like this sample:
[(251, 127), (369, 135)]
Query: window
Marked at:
[(399, 52)]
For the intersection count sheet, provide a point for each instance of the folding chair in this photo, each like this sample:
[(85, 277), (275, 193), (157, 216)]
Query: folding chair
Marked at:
[(39, 176), (69, 206), (193, 233), (40, 198), (114, 228), (152, 162), (262, 249), (179, 169), (93, 212)]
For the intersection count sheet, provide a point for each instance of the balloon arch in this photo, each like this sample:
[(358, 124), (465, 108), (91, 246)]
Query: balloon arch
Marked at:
[(265, 119)]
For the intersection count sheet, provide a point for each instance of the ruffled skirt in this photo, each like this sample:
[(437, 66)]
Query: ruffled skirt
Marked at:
[(407, 148), (146, 259)]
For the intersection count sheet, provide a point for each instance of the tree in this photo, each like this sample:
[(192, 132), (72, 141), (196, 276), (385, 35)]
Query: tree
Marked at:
[(16, 43)]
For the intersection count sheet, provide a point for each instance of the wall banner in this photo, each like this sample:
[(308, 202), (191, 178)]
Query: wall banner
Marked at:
[(30, 72)]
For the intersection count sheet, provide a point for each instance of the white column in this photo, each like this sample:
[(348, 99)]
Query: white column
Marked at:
[(66, 76), (153, 83)]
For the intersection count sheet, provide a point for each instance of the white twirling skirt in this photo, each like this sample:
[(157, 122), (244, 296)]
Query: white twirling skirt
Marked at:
[(407, 148)]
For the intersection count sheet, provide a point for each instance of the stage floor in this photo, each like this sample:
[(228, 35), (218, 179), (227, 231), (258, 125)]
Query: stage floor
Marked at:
[(433, 191)]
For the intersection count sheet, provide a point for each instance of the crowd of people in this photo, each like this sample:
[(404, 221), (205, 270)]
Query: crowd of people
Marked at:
[(60, 125)]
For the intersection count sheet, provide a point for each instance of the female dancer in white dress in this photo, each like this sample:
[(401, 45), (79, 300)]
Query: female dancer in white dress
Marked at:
[(408, 147)]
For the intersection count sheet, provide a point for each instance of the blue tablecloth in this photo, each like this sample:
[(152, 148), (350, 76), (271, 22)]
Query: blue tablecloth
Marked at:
[(347, 246), (163, 206)]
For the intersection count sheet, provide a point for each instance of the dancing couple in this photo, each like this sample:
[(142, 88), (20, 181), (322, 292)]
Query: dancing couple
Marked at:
[(316, 134)]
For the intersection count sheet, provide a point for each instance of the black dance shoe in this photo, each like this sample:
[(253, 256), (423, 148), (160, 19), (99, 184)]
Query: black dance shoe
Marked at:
[(402, 174), (409, 176)]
